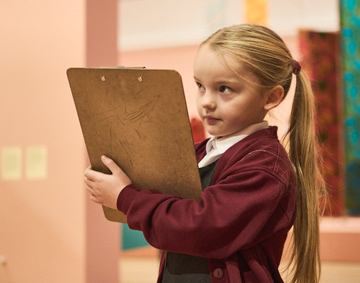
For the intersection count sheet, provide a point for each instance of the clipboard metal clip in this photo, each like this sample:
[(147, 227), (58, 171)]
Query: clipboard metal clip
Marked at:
[(136, 68)]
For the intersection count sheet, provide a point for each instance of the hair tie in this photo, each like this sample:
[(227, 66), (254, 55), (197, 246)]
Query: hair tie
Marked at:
[(296, 67)]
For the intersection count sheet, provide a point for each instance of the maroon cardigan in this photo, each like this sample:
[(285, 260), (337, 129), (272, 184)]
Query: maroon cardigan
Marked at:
[(242, 220)]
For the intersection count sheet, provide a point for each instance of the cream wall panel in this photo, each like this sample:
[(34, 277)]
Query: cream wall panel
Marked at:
[(161, 23), (147, 24)]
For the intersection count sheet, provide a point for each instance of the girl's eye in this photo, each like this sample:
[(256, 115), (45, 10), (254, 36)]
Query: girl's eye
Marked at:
[(200, 86), (225, 89)]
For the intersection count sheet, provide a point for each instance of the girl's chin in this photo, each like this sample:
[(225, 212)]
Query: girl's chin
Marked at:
[(214, 132), (220, 134)]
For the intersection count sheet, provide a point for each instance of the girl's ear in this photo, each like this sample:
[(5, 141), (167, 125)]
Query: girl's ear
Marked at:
[(274, 97)]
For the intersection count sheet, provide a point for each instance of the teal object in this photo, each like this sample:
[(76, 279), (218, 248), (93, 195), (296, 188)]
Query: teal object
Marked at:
[(132, 239), (350, 38)]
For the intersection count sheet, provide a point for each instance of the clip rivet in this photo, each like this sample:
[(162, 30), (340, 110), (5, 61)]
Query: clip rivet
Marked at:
[(103, 78), (140, 79)]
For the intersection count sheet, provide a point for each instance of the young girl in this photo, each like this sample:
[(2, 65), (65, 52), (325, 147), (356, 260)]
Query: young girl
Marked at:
[(253, 192)]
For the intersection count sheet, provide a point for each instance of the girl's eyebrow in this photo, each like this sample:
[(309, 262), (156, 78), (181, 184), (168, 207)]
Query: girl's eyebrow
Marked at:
[(221, 81), (225, 82)]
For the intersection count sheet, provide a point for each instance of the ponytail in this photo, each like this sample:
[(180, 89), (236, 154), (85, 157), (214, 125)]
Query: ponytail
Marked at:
[(302, 148)]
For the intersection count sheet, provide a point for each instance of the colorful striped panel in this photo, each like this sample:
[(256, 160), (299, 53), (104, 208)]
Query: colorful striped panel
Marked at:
[(350, 39), (321, 63)]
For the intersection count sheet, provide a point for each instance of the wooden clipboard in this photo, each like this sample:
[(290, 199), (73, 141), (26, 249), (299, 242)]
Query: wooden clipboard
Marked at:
[(139, 118)]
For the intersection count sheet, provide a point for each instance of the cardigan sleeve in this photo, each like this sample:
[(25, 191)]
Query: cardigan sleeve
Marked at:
[(242, 209)]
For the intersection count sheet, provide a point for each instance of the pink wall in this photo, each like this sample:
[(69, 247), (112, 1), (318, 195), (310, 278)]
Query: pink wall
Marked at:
[(46, 220), (102, 236)]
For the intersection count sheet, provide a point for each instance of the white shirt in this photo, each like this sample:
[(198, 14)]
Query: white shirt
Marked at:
[(216, 147)]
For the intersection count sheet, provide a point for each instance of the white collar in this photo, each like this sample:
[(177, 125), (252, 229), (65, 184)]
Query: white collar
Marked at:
[(221, 145), (215, 147)]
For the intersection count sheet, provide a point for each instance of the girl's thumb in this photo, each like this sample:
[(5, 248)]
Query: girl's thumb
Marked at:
[(109, 163)]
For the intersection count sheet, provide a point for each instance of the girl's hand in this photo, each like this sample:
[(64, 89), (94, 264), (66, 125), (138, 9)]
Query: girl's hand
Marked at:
[(104, 189)]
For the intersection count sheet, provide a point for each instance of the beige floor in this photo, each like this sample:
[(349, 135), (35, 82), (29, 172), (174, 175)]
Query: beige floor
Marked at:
[(144, 269)]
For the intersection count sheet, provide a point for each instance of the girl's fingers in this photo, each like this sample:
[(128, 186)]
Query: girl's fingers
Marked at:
[(89, 182), (116, 170), (93, 196), (90, 189), (109, 163), (105, 188), (94, 199), (93, 176), (89, 173)]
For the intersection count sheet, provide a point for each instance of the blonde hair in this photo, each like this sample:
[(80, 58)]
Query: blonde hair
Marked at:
[(265, 54)]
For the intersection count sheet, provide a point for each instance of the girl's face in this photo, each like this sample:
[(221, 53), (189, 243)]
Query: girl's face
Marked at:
[(225, 103)]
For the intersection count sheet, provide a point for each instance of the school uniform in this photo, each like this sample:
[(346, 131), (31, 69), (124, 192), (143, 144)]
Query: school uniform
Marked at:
[(242, 220)]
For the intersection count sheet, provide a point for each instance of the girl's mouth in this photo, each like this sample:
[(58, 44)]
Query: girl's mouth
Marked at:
[(210, 119)]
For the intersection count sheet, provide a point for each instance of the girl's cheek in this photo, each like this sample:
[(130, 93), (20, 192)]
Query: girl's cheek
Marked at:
[(227, 96), (198, 100), (198, 106)]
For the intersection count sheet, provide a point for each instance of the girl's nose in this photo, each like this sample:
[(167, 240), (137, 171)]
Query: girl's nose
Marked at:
[(208, 100)]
